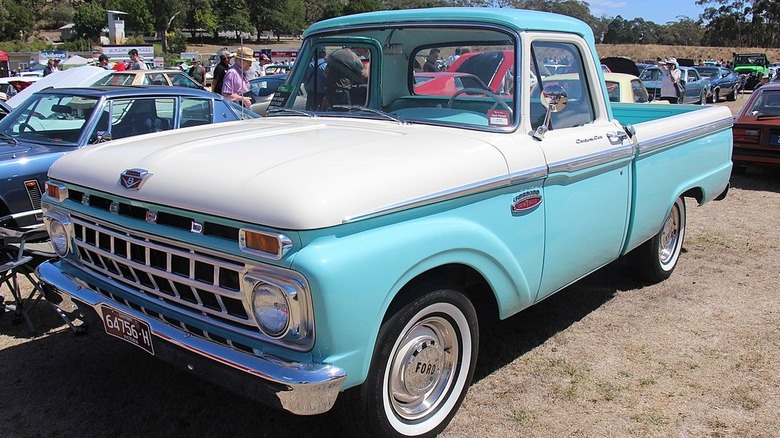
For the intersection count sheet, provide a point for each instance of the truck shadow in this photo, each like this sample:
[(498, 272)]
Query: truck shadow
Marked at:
[(95, 386), (757, 179), (512, 338)]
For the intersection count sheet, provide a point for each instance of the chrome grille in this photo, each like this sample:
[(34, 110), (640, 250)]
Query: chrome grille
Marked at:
[(198, 283)]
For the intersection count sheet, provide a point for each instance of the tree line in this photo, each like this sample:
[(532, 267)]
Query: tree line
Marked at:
[(737, 23)]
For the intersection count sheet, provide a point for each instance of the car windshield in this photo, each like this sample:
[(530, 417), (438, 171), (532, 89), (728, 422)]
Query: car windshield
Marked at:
[(50, 118), (650, 74), (116, 79), (766, 104), (264, 86), (709, 72)]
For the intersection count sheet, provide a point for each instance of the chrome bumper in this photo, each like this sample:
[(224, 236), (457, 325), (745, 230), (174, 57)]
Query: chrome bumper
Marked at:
[(300, 388)]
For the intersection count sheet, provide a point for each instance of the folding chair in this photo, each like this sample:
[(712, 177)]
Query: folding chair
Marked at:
[(21, 251)]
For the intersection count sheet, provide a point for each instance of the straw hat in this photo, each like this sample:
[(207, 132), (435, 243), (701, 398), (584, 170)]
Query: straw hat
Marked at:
[(245, 54)]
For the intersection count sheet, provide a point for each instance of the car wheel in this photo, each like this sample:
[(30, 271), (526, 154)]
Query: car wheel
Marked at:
[(656, 259), (421, 370), (715, 96), (702, 98), (731, 97)]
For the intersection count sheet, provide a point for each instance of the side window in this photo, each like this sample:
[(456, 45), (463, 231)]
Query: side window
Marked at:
[(155, 79), (639, 91), (559, 63), (195, 112), (141, 116), (180, 80)]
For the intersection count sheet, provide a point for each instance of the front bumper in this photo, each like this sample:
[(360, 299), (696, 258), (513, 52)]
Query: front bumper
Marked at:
[(300, 388)]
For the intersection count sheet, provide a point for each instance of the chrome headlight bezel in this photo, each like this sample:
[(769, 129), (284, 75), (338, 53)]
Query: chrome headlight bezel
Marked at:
[(291, 289), (60, 228)]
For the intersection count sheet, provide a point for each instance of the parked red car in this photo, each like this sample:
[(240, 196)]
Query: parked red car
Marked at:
[(445, 83), (757, 130)]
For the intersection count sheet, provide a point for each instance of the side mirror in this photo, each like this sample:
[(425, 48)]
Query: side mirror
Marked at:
[(101, 136), (554, 98)]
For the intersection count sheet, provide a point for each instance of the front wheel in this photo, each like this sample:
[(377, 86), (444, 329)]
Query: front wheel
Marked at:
[(422, 367), (702, 98), (656, 259)]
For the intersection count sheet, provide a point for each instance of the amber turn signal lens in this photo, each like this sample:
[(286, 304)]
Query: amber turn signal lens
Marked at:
[(262, 242)]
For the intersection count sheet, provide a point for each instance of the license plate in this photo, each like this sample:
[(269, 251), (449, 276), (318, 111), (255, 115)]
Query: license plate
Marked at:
[(127, 328)]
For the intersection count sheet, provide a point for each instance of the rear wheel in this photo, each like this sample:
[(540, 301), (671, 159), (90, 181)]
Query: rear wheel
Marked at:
[(656, 259), (731, 97), (422, 367), (702, 98), (715, 96)]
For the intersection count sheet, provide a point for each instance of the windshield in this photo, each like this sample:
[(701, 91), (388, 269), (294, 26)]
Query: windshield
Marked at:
[(650, 74), (50, 118), (445, 74), (709, 72), (767, 104)]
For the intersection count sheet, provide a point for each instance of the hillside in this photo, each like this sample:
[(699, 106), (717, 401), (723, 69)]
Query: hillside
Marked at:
[(651, 51)]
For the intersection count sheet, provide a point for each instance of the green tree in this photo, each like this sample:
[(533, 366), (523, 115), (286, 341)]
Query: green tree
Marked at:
[(165, 13), (89, 19), (177, 42), (19, 21), (234, 17), (201, 15)]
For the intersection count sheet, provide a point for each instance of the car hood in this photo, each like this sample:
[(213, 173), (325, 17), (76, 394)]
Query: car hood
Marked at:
[(73, 77), (291, 172)]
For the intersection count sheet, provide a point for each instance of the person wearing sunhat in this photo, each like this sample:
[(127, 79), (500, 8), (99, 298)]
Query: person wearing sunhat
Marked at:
[(670, 78), (235, 83)]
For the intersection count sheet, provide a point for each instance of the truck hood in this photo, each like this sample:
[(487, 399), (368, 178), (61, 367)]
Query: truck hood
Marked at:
[(291, 172)]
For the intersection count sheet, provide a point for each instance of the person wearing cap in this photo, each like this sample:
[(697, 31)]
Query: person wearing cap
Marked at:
[(670, 76), (103, 61), (264, 60), (235, 83), (197, 71), (56, 66), (219, 71), (136, 63)]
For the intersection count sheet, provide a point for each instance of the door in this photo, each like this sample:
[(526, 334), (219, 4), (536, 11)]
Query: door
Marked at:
[(587, 192)]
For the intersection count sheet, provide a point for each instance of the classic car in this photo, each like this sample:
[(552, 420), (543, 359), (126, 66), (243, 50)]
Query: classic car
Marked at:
[(262, 89), (754, 65), (277, 69), (623, 87), (360, 250), (170, 77), (73, 77), (723, 82), (10, 86), (697, 89), (56, 121), (446, 82), (757, 130)]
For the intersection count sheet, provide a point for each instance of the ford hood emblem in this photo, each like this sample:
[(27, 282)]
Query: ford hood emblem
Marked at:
[(131, 179)]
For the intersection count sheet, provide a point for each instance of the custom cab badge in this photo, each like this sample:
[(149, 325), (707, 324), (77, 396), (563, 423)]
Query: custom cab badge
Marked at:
[(526, 201), (131, 179)]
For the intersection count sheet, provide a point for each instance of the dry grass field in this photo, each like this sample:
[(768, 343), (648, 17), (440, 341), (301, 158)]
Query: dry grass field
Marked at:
[(694, 356), (639, 52)]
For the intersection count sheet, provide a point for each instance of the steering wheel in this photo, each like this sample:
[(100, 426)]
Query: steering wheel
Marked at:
[(488, 93), (25, 126)]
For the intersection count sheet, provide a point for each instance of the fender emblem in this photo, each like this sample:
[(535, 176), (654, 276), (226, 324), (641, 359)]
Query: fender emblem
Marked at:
[(131, 179), (526, 201)]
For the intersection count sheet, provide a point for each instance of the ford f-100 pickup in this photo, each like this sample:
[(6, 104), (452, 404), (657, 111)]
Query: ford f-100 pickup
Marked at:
[(351, 244)]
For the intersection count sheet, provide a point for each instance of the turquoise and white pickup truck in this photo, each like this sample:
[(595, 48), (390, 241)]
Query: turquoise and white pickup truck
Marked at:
[(353, 245)]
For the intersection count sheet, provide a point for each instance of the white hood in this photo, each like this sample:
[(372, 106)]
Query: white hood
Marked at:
[(73, 77), (288, 173)]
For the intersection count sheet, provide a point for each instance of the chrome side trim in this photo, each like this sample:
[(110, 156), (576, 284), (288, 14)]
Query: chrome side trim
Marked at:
[(301, 388), (685, 135), (445, 195), (595, 159)]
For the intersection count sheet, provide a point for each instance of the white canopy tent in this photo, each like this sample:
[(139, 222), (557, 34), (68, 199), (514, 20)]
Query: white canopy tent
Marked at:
[(74, 61)]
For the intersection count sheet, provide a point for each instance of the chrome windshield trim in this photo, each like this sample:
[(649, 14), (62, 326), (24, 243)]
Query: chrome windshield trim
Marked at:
[(685, 135), (520, 177), (617, 153)]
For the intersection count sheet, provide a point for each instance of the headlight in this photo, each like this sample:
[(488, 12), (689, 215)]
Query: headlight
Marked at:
[(271, 308), (59, 236)]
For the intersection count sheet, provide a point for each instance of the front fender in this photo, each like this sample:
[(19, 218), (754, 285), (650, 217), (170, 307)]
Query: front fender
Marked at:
[(354, 278)]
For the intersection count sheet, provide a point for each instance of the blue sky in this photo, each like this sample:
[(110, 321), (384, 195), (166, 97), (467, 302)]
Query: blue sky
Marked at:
[(659, 11)]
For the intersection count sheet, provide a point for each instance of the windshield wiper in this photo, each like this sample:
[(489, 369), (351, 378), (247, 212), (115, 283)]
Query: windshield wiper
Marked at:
[(8, 138), (291, 111), (369, 110)]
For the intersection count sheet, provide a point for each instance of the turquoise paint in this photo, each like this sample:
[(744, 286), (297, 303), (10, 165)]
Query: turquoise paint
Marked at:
[(354, 272)]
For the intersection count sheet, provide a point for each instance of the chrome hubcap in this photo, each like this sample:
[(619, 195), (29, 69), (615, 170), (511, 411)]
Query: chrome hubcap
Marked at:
[(421, 369), (669, 236)]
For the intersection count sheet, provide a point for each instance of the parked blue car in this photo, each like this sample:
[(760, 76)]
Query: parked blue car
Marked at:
[(697, 88), (723, 81), (55, 121)]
